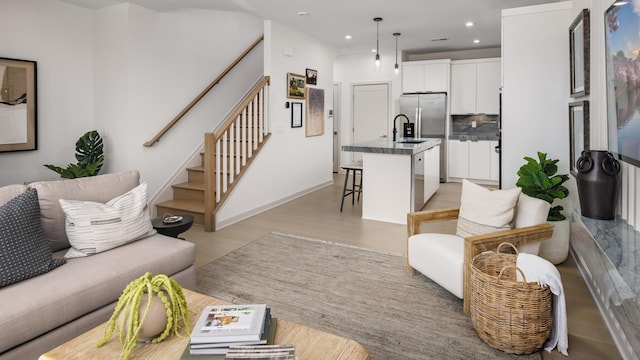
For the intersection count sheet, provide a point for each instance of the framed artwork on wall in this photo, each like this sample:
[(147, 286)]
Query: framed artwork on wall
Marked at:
[(295, 86), (296, 114), (315, 112), (17, 105), (579, 54), (312, 77), (578, 131)]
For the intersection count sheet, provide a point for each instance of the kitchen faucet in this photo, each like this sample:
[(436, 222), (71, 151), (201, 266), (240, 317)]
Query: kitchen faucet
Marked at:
[(395, 131)]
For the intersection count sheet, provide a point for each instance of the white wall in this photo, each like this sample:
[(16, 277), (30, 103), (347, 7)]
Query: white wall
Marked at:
[(290, 164), (629, 203), (58, 36), (154, 64), (125, 71), (359, 69), (535, 93)]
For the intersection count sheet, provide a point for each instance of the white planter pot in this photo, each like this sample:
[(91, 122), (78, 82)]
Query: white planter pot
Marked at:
[(556, 249)]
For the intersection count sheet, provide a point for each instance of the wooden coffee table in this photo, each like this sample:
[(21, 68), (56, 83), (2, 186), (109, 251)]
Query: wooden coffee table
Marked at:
[(310, 343)]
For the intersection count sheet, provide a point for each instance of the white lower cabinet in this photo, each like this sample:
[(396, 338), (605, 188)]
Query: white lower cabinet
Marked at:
[(479, 160), (495, 162), (431, 172), (472, 160), (458, 158)]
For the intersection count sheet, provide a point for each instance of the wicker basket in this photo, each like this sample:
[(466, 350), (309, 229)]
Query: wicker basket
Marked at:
[(512, 316)]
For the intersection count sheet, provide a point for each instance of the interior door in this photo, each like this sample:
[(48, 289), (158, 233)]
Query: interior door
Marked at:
[(370, 113)]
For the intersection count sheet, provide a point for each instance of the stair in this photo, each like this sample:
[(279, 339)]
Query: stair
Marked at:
[(188, 197), (245, 133)]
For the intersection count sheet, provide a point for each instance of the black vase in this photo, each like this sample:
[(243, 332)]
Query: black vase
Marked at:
[(598, 180)]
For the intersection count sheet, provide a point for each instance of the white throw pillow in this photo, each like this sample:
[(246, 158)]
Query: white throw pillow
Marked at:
[(94, 227), (484, 211)]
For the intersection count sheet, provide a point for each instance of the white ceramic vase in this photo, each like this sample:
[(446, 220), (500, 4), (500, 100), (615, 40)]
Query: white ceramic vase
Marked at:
[(156, 320), (556, 249)]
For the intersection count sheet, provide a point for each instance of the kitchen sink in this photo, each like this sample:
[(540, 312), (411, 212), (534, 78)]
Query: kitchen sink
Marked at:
[(410, 141)]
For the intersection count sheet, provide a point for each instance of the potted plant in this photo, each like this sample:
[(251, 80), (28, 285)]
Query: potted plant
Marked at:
[(538, 179), (89, 153), (149, 310)]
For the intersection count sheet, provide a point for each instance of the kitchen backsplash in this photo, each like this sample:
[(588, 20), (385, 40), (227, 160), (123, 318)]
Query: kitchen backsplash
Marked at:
[(485, 125)]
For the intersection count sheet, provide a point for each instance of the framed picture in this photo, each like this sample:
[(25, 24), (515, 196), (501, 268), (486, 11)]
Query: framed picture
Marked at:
[(17, 105), (579, 54), (578, 131), (312, 77), (296, 114), (295, 86), (315, 112)]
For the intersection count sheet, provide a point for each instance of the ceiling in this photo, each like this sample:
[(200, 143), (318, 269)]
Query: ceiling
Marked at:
[(426, 25)]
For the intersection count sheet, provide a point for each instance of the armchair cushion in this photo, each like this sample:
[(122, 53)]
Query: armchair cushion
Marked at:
[(485, 211), (440, 257), (531, 211)]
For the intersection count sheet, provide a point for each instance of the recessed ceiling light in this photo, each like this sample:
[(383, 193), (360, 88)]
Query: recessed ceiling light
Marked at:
[(476, 41), (348, 37), (303, 13), (373, 50), (469, 24)]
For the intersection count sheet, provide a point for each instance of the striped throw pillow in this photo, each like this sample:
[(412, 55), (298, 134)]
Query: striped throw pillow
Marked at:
[(94, 227)]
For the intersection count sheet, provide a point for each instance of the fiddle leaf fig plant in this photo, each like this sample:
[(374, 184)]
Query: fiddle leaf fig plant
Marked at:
[(134, 307), (538, 179), (89, 153)]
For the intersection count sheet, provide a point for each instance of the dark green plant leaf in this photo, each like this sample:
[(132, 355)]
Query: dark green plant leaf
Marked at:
[(89, 153), (538, 179)]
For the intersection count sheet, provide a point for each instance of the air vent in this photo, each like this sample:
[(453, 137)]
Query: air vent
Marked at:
[(440, 39)]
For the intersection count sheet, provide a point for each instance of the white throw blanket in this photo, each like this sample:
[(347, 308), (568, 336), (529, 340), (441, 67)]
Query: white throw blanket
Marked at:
[(543, 272)]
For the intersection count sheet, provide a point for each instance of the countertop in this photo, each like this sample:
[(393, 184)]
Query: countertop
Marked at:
[(387, 146)]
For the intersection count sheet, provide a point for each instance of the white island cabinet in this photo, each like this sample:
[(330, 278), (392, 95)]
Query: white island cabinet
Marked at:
[(397, 177)]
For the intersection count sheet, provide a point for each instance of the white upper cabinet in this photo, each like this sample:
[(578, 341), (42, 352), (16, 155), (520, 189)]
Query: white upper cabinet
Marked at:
[(488, 87), (475, 86), (463, 88), (425, 76)]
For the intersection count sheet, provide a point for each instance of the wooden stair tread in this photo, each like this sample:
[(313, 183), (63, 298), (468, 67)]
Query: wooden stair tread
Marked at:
[(189, 186), (183, 205), (196, 168)]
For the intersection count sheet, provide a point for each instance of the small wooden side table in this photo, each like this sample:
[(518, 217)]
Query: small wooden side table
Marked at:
[(173, 229)]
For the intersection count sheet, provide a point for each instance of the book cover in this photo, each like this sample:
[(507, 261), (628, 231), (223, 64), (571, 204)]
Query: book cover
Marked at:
[(229, 323)]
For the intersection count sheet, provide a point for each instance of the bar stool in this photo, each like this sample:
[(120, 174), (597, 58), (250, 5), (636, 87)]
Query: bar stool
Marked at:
[(355, 188)]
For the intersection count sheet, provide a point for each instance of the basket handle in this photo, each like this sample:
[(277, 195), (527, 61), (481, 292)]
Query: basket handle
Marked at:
[(524, 278), (509, 244)]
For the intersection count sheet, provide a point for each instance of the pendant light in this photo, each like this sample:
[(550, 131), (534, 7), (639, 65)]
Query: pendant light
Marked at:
[(377, 20), (396, 69)]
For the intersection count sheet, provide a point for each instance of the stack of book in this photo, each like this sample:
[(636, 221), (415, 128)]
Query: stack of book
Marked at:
[(222, 326)]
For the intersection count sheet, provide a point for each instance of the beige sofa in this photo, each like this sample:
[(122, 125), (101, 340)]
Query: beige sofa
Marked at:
[(42, 312)]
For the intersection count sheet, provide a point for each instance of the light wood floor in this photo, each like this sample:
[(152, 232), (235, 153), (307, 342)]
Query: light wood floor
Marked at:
[(317, 215)]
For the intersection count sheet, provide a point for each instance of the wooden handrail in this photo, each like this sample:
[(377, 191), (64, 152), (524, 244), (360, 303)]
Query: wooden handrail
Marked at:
[(215, 82)]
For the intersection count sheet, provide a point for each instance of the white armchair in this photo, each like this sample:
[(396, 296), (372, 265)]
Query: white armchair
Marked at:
[(446, 258)]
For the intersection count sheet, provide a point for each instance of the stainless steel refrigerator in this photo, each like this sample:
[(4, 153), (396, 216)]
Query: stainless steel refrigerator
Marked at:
[(428, 111)]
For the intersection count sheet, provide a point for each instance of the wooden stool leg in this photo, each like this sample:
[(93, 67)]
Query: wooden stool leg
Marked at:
[(353, 187), (360, 186)]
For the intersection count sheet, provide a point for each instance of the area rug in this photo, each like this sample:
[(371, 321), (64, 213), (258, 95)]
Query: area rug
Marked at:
[(351, 292)]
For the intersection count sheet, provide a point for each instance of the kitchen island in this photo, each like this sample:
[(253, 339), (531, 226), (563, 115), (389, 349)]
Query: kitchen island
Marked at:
[(398, 177)]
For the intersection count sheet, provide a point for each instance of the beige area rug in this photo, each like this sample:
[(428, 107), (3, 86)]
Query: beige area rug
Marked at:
[(352, 292)]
